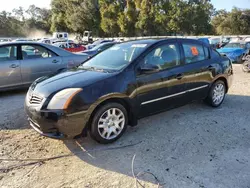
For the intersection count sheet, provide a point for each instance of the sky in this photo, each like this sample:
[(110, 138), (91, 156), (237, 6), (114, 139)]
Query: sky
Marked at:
[(9, 5), (229, 4)]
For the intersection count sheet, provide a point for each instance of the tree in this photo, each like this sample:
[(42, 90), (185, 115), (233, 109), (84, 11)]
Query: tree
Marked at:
[(39, 18), (19, 13), (9, 25), (110, 11), (127, 19), (145, 23), (84, 15), (236, 22), (59, 17)]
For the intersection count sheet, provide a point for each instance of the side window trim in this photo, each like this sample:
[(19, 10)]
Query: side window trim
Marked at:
[(208, 50)]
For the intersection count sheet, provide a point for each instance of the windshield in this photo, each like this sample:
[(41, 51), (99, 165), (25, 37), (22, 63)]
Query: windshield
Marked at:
[(116, 57), (235, 45)]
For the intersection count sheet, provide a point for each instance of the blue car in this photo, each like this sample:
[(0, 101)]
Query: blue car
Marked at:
[(99, 48), (235, 50)]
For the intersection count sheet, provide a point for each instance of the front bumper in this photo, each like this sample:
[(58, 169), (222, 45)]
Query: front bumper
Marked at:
[(55, 123)]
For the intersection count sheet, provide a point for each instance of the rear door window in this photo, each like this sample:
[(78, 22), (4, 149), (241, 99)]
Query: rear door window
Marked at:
[(194, 53), (8, 53), (35, 52)]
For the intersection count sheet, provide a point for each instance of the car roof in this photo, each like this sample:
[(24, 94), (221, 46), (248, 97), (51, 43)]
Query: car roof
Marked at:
[(155, 41), (53, 48), (22, 42)]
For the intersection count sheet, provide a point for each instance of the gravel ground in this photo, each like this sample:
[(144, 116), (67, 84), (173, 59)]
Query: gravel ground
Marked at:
[(192, 146)]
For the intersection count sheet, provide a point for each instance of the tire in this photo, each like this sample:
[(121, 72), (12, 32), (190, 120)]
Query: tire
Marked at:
[(245, 66), (211, 98), (105, 127)]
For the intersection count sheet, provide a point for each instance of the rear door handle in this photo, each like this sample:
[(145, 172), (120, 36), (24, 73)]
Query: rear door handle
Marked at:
[(55, 61), (14, 66), (179, 76)]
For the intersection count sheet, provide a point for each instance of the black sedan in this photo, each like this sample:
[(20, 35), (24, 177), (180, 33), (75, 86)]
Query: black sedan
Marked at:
[(124, 83)]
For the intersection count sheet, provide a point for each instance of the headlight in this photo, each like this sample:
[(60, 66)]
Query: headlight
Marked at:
[(63, 98)]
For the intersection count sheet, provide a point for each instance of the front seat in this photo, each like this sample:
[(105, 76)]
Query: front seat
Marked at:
[(169, 58), (25, 55)]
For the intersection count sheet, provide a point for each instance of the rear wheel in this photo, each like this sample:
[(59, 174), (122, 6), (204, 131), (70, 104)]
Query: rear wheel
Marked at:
[(216, 94), (109, 123)]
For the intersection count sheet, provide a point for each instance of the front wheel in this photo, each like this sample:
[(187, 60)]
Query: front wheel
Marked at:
[(216, 94), (109, 123)]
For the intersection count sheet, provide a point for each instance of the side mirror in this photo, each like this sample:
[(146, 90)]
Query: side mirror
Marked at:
[(148, 68)]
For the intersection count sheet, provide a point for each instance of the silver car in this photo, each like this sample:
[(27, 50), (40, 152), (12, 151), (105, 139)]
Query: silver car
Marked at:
[(23, 62)]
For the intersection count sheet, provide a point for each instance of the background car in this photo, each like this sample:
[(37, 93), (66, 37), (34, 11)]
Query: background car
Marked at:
[(235, 50), (70, 46), (99, 48), (23, 62), (98, 42)]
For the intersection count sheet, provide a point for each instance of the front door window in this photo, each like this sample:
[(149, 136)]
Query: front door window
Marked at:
[(165, 56)]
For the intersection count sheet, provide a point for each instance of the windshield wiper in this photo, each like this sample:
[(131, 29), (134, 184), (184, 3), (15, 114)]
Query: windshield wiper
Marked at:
[(92, 69)]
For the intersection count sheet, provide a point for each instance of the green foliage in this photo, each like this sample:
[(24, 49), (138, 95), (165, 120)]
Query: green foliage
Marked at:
[(21, 22), (236, 22), (129, 18), (145, 23), (110, 11)]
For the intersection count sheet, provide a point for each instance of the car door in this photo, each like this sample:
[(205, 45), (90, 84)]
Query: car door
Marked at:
[(199, 69), (38, 61), (162, 89), (10, 75)]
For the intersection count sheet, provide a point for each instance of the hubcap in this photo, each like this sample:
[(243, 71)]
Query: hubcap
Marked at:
[(218, 94), (246, 67), (111, 123)]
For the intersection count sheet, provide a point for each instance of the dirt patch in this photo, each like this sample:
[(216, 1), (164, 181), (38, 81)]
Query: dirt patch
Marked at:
[(192, 146)]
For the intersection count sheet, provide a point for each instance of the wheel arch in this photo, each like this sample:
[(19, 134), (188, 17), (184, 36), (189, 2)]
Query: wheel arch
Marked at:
[(132, 119), (222, 78)]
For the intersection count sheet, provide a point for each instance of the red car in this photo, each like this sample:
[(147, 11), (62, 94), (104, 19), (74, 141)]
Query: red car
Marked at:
[(72, 47)]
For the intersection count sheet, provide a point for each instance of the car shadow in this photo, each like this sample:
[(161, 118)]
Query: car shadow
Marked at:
[(12, 115), (177, 146)]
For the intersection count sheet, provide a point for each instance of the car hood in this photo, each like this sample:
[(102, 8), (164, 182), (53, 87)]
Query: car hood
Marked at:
[(230, 50), (78, 78)]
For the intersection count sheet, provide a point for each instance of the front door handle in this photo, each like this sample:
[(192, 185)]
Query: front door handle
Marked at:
[(14, 66), (55, 61), (179, 76)]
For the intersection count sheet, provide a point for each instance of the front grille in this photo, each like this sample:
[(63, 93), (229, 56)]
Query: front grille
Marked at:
[(35, 99)]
